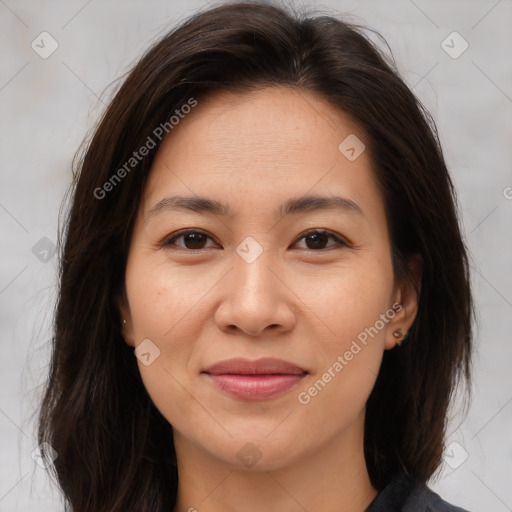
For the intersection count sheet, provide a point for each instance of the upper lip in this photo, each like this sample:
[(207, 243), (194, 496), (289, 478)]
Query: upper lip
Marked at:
[(263, 366)]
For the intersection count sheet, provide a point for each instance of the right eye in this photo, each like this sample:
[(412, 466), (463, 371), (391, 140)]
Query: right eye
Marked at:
[(192, 240)]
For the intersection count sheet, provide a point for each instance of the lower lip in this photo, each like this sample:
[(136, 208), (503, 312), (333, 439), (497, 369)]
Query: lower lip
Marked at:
[(255, 387)]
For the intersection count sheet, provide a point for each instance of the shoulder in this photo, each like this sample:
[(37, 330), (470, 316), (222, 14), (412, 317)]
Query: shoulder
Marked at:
[(403, 494), (424, 499)]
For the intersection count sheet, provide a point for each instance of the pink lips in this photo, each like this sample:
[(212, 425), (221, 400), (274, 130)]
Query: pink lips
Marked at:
[(255, 380)]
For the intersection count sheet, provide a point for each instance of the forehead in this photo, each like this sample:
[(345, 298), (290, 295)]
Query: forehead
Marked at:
[(264, 145), (275, 122)]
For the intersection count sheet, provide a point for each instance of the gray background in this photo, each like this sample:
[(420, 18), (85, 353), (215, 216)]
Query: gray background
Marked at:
[(48, 105)]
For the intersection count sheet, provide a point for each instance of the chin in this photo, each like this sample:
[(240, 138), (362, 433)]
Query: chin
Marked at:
[(258, 452)]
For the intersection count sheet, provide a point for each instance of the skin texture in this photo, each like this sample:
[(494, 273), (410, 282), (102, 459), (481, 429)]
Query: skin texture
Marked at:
[(299, 301)]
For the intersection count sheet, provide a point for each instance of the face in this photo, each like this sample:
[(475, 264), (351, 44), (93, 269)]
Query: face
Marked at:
[(253, 281)]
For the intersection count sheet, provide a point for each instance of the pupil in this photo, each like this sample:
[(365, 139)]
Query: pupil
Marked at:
[(193, 239), (317, 236)]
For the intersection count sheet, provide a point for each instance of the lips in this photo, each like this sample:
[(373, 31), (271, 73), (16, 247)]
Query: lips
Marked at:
[(263, 366), (255, 380)]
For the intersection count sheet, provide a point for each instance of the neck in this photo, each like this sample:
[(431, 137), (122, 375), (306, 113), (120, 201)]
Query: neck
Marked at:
[(332, 478)]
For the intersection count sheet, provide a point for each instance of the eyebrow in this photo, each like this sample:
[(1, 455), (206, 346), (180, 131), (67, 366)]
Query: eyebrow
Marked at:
[(293, 206)]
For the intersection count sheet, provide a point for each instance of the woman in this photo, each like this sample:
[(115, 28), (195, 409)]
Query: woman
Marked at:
[(265, 300)]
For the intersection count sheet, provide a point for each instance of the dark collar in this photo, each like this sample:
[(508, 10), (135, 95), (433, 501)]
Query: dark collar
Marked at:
[(393, 496), (404, 494)]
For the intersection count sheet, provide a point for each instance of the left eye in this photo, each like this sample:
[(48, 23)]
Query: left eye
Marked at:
[(318, 237), (196, 239)]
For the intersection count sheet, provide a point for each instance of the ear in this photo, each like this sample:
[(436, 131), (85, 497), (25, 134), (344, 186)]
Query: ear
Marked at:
[(126, 318), (405, 304)]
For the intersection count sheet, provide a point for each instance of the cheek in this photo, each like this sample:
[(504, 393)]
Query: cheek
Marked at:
[(163, 299), (350, 301), (349, 355), (353, 317), (167, 306)]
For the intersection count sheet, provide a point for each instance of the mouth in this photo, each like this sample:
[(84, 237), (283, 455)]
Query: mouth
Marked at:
[(255, 380)]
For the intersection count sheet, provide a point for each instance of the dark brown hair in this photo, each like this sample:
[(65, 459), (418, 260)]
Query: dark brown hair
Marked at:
[(115, 450)]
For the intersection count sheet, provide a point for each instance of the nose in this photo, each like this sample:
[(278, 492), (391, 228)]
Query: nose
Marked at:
[(255, 298)]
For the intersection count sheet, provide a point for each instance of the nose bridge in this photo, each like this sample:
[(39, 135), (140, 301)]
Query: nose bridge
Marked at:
[(252, 276), (254, 298)]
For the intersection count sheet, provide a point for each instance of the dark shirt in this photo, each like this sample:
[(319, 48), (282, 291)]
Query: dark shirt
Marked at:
[(402, 494)]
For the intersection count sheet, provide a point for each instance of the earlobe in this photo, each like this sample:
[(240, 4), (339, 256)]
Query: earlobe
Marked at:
[(398, 326), (399, 335), (126, 326), (127, 333)]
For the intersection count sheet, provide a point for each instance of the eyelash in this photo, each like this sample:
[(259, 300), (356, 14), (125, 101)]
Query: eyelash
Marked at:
[(169, 242)]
